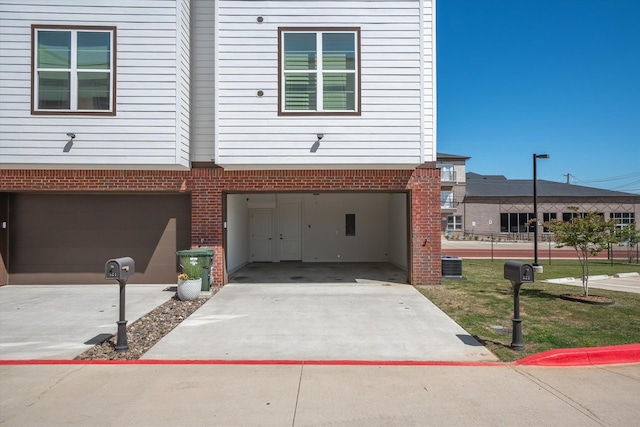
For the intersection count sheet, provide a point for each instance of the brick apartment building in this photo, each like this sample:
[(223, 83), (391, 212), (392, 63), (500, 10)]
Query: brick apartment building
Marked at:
[(270, 131)]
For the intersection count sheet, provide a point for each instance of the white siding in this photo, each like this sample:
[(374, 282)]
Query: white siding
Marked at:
[(183, 79), (429, 79), (144, 133), (202, 95), (395, 128)]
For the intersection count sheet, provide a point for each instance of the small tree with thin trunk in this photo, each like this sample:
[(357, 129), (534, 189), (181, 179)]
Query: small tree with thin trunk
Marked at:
[(630, 235), (588, 235)]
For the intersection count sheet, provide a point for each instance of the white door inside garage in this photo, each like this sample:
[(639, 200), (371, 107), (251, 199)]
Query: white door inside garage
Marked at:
[(316, 227), (289, 230), (67, 238), (261, 235), (283, 244)]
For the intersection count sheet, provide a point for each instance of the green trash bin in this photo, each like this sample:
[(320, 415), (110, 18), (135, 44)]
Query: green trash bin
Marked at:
[(203, 257)]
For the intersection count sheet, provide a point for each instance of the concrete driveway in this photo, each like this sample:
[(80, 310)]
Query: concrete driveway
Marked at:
[(370, 321), (373, 321), (61, 322)]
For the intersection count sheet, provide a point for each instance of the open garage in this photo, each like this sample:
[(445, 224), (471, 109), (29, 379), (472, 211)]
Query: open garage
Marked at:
[(360, 227), (65, 232), (67, 238)]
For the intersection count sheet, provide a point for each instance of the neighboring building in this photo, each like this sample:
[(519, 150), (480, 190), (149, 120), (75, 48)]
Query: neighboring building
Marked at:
[(482, 205), (266, 130), (452, 178), (501, 206)]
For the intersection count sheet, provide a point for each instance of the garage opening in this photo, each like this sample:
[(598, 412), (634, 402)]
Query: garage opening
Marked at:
[(304, 230), (67, 238)]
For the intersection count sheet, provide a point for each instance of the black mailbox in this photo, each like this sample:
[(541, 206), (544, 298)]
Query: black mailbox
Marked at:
[(518, 272), (119, 268)]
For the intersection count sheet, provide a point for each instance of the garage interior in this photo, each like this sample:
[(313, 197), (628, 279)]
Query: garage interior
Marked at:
[(288, 237)]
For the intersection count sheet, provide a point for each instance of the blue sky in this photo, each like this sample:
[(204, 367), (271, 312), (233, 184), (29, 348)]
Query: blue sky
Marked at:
[(561, 77)]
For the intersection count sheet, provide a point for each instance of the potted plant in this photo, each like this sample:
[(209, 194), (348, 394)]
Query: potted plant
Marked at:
[(190, 280)]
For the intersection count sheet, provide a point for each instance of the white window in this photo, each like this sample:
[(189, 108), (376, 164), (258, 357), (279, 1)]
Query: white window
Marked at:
[(446, 200), (73, 70), (623, 217), (319, 71), (454, 222), (447, 174)]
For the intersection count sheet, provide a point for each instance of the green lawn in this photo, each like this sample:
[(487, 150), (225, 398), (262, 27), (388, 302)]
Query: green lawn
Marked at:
[(483, 305)]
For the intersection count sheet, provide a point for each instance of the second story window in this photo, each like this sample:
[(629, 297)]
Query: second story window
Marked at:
[(73, 70), (319, 71), (446, 200), (447, 174)]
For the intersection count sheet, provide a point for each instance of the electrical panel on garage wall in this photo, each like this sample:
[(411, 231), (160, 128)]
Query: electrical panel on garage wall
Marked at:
[(350, 224)]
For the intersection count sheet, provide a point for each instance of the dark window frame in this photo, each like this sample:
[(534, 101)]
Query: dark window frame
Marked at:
[(547, 217), (516, 222), (113, 70), (455, 224), (569, 216), (358, 71)]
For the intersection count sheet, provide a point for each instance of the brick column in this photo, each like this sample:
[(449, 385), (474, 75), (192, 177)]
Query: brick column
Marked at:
[(425, 227), (206, 216)]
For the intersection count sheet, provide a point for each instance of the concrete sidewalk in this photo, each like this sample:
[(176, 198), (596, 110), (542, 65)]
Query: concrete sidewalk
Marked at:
[(374, 321), (629, 282), (303, 395)]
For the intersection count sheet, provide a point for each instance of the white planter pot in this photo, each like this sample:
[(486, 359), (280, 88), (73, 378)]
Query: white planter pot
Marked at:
[(189, 289)]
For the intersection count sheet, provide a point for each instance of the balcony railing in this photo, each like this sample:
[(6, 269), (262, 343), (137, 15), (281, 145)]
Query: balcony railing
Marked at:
[(448, 204), (448, 176)]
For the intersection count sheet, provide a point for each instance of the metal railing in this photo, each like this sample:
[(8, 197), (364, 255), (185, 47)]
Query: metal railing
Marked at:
[(448, 176)]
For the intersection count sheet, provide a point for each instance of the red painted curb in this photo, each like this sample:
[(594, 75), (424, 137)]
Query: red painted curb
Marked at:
[(615, 354), (250, 362)]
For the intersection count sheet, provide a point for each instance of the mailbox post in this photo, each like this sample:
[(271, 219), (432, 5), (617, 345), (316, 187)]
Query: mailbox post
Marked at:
[(120, 269), (518, 273)]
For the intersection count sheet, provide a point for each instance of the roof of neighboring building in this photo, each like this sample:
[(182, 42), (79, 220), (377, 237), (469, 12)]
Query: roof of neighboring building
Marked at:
[(442, 156), (498, 185)]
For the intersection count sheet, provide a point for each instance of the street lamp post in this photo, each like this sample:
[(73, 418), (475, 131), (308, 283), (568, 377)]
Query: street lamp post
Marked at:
[(537, 268)]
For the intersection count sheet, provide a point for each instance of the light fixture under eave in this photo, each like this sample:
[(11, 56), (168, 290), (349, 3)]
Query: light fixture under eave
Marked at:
[(316, 144), (69, 143)]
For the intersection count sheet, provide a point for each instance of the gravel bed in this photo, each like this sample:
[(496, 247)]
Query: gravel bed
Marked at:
[(145, 332)]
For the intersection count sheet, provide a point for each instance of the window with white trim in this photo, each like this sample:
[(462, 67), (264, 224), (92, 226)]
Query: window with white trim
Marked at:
[(319, 71), (447, 173), (446, 200), (623, 217), (454, 223), (73, 70)]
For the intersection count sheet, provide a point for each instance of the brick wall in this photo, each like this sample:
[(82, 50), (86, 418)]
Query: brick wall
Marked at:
[(207, 185)]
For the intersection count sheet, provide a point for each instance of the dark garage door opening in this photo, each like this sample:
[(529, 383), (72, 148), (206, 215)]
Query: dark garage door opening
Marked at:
[(67, 238)]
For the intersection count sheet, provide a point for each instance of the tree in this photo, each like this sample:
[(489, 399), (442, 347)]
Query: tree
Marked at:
[(588, 235), (630, 235)]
